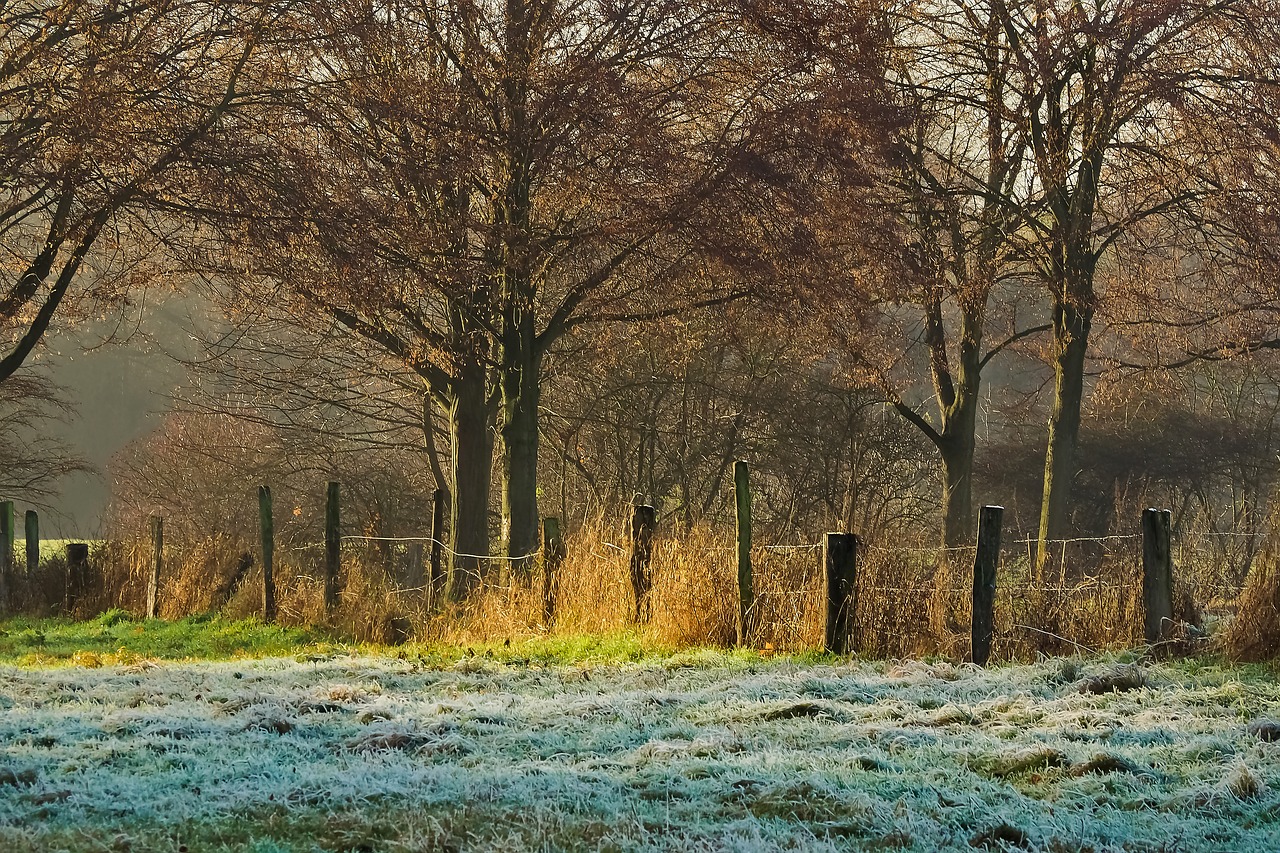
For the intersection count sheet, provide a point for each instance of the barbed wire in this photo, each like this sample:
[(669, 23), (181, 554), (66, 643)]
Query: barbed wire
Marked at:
[(1057, 637), (1060, 588), (941, 549), (426, 539), (864, 545), (1032, 541)]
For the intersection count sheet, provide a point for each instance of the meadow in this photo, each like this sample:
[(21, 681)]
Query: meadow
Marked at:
[(209, 735), (396, 723)]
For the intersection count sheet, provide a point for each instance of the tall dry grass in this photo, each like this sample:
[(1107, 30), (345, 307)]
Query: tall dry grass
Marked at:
[(1253, 634), (912, 601)]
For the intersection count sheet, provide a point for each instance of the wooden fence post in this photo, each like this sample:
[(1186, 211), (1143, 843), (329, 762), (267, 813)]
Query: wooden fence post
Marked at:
[(267, 525), (643, 520), (332, 546), (983, 617), (553, 554), (1157, 574), (77, 575), (32, 541), (157, 566), (438, 512), (7, 537), (746, 598), (840, 556)]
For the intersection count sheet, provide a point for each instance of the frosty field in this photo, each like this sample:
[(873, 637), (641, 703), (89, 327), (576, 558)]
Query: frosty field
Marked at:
[(700, 751)]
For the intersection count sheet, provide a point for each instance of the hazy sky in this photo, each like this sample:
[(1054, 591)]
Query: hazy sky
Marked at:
[(119, 391)]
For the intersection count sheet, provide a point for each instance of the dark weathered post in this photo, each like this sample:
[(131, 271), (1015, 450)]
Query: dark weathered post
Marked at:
[(643, 521), (553, 554), (32, 540), (157, 566), (6, 552), (984, 583), (77, 574), (746, 598), (267, 525), (332, 546), (840, 556), (438, 513), (1157, 574)]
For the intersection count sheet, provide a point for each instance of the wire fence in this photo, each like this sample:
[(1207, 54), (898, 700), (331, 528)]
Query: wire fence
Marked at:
[(912, 599)]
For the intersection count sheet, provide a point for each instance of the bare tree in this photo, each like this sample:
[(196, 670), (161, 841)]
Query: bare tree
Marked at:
[(100, 105), (465, 183), (1113, 91), (958, 192), (663, 415)]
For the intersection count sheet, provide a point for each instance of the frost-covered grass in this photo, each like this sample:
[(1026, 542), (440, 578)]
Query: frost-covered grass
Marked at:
[(692, 751)]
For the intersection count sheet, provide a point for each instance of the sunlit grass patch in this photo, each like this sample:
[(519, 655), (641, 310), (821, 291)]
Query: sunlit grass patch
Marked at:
[(115, 637)]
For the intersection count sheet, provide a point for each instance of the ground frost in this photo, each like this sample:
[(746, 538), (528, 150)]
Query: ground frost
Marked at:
[(374, 753)]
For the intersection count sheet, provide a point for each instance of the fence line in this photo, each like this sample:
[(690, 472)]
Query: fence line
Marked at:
[(891, 610), (1032, 541), (431, 541), (865, 546), (1057, 637)]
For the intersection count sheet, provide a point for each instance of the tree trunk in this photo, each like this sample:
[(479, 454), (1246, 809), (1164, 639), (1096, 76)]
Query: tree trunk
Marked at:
[(521, 353), (1070, 343), (959, 391), (443, 480), (957, 452), (471, 441), (521, 394)]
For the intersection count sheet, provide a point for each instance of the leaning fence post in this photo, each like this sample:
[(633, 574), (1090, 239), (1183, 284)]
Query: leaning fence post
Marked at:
[(1157, 574), (77, 574), (332, 546), (438, 508), (157, 566), (266, 521), (553, 553), (746, 599), (32, 541), (643, 521), (840, 557), (6, 552), (984, 583)]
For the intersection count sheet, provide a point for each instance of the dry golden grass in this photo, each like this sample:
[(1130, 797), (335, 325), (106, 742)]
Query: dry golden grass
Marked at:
[(912, 602), (1254, 633)]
